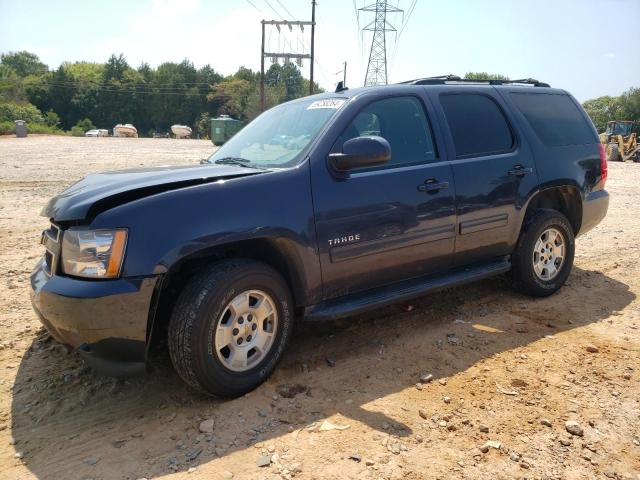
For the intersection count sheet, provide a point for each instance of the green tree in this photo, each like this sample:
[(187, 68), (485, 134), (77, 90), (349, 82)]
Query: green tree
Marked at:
[(485, 76), (232, 96), (150, 98), (24, 63), (10, 84), (603, 109), (51, 118), (11, 111), (80, 128), (630, 101), (203, 126)]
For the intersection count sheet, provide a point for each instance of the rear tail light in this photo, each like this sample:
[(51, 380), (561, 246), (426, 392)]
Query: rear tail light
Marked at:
[(604, 169)]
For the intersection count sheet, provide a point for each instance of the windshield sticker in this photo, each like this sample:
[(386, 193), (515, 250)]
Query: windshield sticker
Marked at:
[(334, 103)]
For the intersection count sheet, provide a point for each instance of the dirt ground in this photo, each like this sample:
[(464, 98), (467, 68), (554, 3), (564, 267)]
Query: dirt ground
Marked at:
[(506, 368)]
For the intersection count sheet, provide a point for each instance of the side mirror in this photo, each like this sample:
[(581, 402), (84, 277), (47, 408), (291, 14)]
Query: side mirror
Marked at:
[(361, 152), (204, 161)]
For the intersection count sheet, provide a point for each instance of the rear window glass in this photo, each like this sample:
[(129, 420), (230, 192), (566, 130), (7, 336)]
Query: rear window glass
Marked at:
[(477, 125), (555, 119)]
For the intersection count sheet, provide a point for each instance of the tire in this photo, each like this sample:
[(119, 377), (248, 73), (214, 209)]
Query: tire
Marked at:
[(203, 310), (614, 153), (526, 279)]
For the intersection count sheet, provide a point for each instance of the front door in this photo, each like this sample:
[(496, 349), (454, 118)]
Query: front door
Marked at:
[(392, 222)]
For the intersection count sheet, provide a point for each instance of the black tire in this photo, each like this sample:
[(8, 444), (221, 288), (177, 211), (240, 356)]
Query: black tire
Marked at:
[(614, 153), (525, 279), (195, 317)]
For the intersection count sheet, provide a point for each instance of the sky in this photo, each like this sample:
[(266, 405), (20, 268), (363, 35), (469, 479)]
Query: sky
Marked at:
[(589, 47)]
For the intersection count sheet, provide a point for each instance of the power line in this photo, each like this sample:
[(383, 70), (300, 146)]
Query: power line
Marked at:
[(133, 87), (286, 10), (402, 27), (128, 91), (409, 12), (274, 10), (254, 6)]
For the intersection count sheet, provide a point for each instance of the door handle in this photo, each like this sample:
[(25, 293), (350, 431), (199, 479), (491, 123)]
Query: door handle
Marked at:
[(520, 171), (432, 185)]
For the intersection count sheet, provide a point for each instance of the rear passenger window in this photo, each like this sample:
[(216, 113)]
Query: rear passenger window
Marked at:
[(402, 122), (555, 119), (477, 125)]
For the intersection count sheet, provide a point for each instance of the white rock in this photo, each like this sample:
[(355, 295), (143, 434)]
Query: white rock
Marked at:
[(574, 428), (207, 426)]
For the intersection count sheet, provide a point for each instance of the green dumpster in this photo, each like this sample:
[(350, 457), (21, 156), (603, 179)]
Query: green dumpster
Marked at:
[(223, 128)]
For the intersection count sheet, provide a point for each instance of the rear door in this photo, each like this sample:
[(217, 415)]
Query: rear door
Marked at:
[(389, 223), (493, 168)]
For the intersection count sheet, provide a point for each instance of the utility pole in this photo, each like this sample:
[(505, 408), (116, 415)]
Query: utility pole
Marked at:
[(313, 34), (377, 66), (262, 71), (287, 56)]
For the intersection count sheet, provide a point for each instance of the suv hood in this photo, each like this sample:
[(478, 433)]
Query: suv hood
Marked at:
[(100, 191)]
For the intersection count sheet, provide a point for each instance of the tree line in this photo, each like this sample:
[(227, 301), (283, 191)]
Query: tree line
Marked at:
[(624, 107), (84, 94)]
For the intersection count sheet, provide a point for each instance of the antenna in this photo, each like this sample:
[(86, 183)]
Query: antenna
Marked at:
[(377, 66)]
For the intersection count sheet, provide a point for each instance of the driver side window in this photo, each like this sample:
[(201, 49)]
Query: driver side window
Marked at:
[(403, 123)]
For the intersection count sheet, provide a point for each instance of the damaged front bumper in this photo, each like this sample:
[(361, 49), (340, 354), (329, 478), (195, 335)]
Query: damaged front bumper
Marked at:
[(104, 320)]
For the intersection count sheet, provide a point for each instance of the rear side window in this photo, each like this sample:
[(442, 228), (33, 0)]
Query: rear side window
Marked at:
[(477, 125), (555, 119)]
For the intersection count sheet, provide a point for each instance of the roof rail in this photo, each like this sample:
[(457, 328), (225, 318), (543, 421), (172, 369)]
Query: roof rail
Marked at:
[(448, 79)]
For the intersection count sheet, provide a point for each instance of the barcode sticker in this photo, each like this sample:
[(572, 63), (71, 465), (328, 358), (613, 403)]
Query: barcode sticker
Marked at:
[(327, 103)]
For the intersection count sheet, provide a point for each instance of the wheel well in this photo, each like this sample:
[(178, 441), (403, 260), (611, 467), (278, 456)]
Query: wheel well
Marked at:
[(565, 199), (277, 253)]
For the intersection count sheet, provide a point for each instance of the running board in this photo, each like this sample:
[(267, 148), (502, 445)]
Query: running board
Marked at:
[(357, 303)]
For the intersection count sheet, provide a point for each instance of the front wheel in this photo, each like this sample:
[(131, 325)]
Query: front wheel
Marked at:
[(230, 326), (613, 153), (544, 255)]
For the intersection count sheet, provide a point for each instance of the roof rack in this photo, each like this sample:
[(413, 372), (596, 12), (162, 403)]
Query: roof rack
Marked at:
[(453, 79)]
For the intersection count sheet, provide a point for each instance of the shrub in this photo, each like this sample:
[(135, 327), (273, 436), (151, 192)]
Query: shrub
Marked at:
[(78, 131), (43, 128), (10, 111), (7, 128), (51, 118)]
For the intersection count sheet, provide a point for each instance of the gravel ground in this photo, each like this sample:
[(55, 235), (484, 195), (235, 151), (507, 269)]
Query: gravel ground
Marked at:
[(509, 375)]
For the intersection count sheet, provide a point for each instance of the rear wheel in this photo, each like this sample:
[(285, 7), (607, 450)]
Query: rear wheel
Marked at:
[(544, 255), (230, 326)]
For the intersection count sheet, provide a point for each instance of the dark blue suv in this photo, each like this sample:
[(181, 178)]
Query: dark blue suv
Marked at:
[(320, 208)]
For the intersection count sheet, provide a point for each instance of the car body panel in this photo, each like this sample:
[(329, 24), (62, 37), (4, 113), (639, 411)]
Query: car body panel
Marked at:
[(170, 226), (110, 188)]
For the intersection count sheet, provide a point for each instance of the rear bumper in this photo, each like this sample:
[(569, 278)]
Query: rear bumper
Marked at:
[(105, 321), (594, 209)]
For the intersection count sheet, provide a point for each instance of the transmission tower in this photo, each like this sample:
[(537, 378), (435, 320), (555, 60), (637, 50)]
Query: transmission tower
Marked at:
[(377, 66)]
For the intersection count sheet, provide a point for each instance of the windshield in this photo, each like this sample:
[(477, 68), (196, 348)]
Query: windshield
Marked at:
[(278, 136), (623, 129)]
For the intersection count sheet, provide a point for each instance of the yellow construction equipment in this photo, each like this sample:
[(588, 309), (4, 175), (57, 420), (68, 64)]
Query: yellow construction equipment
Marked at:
[(621, 141)]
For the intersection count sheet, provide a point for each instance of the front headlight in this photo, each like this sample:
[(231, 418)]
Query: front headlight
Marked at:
[(93, 253)]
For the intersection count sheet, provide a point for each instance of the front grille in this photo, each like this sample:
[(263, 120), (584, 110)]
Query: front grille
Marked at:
[(51, 241)]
